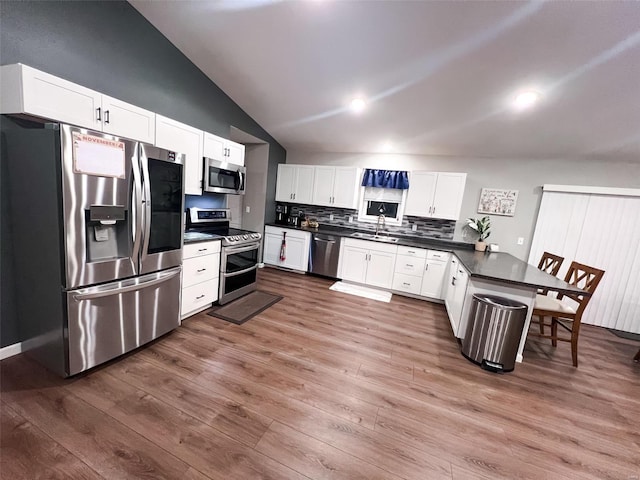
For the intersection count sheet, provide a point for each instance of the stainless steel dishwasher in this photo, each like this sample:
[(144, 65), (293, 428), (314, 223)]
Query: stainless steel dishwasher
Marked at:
[(325, 251)]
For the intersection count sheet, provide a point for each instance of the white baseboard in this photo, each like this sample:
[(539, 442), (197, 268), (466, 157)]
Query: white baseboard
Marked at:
[(10, 350)]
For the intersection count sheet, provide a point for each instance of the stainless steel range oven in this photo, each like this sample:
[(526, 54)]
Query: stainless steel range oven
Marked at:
[(238, 270), (240, 252)]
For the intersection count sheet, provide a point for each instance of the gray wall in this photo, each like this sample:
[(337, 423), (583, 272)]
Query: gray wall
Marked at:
[(108, 46), (527, 176), (257, 172)]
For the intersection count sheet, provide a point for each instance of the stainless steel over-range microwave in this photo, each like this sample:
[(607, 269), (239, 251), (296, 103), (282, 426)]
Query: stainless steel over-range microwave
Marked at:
[(223, 177)]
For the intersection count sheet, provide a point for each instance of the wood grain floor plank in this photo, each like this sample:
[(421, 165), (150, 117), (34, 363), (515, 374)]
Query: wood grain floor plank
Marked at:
[(104, 444), (316, 459), (328, 400), (324, 385), (27, 452)]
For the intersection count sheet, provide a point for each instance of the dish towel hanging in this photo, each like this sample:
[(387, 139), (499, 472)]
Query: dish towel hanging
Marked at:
[(398, 179), (283, 247)]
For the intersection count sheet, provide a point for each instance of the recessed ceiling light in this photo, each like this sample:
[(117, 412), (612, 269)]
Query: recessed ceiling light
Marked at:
[(358, 104), (386, 147), (526, 99)]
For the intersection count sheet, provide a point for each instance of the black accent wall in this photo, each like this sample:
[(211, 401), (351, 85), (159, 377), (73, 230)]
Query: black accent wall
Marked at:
[(109, 47)]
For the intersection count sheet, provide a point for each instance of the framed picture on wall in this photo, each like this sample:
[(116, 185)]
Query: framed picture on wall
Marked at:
[(495, 201)]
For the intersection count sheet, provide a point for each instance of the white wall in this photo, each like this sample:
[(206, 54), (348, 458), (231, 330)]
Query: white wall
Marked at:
[(527, 176)]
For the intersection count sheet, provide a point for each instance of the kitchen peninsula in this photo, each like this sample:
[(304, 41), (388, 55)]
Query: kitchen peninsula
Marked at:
[(462, 273)]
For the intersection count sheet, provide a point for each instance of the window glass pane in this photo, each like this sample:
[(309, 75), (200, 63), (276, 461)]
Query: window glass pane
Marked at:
[(386, 208)]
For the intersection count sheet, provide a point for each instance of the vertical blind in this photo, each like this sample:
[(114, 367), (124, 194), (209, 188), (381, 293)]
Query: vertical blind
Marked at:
[(601, 231)]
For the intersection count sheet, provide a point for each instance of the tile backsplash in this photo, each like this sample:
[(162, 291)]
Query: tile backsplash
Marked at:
[(426, 227)]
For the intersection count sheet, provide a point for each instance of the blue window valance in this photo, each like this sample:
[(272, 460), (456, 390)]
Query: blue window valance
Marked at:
[(385, 179)]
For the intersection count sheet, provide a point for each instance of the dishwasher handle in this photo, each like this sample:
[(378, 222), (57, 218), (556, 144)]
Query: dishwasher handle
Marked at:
[(318, 239)]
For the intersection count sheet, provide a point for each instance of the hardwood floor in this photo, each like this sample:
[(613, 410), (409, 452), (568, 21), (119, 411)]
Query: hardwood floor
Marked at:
[(324, 385)]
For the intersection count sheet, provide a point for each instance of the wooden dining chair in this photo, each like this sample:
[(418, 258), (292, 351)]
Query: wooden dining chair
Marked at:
[(567, 316), (551, 264)]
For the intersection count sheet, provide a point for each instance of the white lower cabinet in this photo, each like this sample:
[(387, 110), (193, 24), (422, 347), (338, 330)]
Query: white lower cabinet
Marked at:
[(456, 291), (371, 263), (200, 276), (296, 248), (435, 273), (420, 272)]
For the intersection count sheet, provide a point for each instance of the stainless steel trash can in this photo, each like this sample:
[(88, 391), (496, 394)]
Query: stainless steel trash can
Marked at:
[(493, 332)]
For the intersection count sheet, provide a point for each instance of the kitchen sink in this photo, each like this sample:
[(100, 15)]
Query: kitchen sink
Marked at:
[(373, 236)]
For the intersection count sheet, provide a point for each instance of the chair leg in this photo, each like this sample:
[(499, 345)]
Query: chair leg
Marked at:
[(541, 324), (554, 331), (574, 348)]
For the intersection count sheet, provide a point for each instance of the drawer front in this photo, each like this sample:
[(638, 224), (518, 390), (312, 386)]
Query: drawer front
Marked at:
[(407, 283), (290, 232), (437, 255), (200, 269), (409, 265), (199, 296), (370, 245), (412, 251), (202, 248)]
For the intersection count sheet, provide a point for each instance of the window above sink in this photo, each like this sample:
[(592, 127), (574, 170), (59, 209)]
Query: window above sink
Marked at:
[(375, 201)]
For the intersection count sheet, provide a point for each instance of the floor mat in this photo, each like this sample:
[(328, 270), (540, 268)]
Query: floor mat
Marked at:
[(245, 308), (360, 291)]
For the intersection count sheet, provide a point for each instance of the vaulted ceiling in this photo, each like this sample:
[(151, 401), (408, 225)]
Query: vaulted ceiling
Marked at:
[(439, 77)]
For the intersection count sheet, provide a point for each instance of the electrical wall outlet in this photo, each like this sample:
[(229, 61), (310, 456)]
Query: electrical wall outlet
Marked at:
[(350, 218), (414, 227), (247, 209), (520, 240), (331, 217)]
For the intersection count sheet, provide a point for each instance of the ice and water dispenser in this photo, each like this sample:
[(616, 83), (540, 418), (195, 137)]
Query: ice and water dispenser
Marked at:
[(108, 232)]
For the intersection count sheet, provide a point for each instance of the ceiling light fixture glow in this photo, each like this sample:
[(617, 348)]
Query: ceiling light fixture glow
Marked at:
[(526, 100), (358, 104)]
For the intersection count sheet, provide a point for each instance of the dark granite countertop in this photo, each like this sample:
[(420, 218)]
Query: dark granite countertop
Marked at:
[(504, 267), (197, 237), (418, 242), (498, 266)]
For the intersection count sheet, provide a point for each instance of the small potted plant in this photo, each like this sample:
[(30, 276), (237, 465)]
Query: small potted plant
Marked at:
[(483, 227)]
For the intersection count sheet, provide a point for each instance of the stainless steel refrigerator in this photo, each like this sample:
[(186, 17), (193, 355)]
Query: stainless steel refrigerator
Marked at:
[(96, 241)]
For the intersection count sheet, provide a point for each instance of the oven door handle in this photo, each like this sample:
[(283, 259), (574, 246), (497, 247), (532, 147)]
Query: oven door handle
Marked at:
[(234, 274), (244, 248)]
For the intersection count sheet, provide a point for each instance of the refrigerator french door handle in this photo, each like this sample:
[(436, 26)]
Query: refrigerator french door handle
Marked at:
[(145, 207), (136, 204), (129, 286)]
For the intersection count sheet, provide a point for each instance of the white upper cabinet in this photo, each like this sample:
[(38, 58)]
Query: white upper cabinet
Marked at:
[(32, 92), (435, 195), (125, 120), (336, 186), (184, 139), (323, 185), (294, 183), (223, 150)]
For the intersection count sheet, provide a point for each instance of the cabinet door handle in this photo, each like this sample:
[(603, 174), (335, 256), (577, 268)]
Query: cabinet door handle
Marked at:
[(294, 196), (434, 209), (106, 116), (200, 296), (410, 251), (203, 249), (426, 268), (407, 284), (99, 110), (408, 265), (453, 281), (201, 270)]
